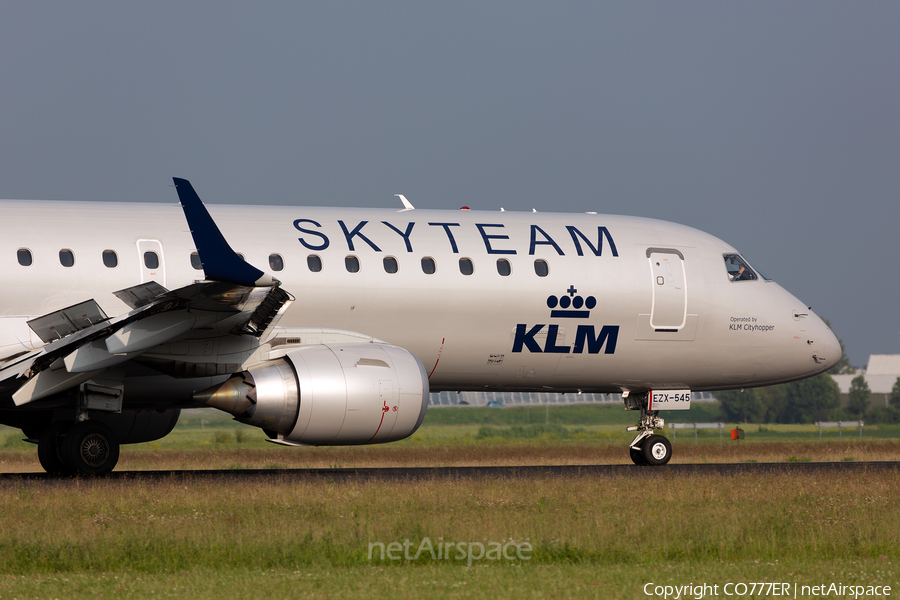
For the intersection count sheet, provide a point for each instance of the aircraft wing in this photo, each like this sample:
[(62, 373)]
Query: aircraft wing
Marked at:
[(81, 341)]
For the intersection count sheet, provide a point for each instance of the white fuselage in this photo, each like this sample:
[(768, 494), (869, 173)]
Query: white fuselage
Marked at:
[(679, 324)]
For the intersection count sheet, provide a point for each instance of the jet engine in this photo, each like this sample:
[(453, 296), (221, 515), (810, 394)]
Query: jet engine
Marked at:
[(329, 395)]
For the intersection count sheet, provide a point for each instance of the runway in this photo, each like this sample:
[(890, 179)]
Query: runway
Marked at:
[(485, 472)]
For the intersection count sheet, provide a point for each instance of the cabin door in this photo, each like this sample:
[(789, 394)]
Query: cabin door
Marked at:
[(669, 304)]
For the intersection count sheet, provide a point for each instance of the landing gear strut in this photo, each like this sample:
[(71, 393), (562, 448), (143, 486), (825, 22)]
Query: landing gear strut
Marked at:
[(647, 448), (83, 447)]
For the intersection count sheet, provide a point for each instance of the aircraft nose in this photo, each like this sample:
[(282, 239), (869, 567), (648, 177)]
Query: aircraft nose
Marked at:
[(826, 349)]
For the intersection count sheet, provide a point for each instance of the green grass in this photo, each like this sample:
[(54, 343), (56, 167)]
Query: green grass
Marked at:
[(613, 582), (592, 536)]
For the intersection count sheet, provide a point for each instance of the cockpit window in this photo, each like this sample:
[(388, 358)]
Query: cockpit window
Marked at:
[(738, 269), (760, 273)]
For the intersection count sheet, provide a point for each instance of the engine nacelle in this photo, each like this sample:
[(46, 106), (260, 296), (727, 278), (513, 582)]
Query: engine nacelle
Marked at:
[(330, 395)]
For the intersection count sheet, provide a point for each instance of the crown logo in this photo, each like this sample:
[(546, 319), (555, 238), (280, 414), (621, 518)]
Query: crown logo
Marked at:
[(567, 300)]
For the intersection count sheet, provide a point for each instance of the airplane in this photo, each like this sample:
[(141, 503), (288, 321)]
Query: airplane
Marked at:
[(326, 326)]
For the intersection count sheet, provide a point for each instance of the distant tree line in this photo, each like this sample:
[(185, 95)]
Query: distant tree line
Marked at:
[(807, 401), (804, 401)]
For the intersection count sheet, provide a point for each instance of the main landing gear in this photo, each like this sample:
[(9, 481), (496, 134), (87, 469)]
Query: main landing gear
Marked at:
[(78, 448), (648, 448)]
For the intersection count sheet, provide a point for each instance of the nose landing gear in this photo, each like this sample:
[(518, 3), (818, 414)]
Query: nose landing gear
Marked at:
[(647, 448)]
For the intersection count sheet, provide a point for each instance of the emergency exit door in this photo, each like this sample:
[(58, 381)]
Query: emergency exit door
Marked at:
[(150, 255), (669, 305)]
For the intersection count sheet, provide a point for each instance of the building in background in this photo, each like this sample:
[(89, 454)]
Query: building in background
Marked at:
[(881, 374)]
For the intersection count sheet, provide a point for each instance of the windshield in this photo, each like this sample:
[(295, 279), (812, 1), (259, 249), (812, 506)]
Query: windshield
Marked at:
[(738, 269), (758, 272)]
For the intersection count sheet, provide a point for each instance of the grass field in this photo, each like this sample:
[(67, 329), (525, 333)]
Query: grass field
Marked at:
[(590, 537)]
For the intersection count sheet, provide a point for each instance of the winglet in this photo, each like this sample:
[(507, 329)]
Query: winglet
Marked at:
[(406, 203), (220, 262)]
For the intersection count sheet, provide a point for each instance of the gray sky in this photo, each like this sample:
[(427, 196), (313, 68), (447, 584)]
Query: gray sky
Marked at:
[(773, 125)]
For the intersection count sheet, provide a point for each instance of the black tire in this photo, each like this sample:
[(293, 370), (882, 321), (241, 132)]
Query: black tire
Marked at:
[(637, 456), (91, 448), (656, 450), (50, 448)]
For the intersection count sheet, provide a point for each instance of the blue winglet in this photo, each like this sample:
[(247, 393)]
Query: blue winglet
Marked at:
[(220, 262)]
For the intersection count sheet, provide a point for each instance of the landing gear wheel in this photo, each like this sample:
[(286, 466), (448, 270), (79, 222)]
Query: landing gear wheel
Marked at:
[(656, 450), (637, 457), (50, 448), (647, 448), (91, 448)]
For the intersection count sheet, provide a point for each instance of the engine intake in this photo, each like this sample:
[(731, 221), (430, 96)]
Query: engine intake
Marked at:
[(329, 395)]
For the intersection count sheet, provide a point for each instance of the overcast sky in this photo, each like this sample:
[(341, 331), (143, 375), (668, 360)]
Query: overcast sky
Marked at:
[(773, 125)]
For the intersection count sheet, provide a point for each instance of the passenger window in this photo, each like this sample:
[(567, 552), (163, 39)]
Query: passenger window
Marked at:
[(195, 261), (465, 266), (314, 263), (738, 269), (540, 268), (428, 266), (24, 256), (503, 267), (390, 264), (110, 259), (276, 263), (66, 258), (352, 264), (151, 260)]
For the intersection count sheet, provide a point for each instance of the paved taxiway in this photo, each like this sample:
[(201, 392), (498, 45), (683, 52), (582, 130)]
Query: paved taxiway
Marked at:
[(536, 472)]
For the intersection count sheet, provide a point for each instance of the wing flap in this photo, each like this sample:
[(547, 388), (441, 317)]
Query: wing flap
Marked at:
[(144, 334), (66, 321), (141, 295), (49, 382), (93, 357)]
